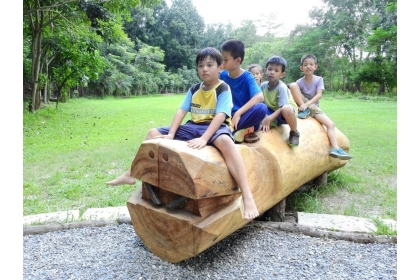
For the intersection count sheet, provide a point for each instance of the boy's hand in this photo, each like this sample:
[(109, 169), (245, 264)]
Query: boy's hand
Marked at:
[(169, 136), (196, 143), (235, 121), (303, 107), (265, 124)]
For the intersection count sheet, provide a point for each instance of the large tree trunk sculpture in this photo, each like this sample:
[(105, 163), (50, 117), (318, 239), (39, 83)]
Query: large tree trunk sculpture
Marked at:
[(188, 200)]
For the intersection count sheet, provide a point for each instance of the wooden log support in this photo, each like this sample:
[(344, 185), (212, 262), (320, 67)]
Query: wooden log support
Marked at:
[(205, 201), (277, 212)]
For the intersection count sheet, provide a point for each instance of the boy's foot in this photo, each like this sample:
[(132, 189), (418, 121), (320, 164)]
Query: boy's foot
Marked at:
[(240, 134), (250, 209), (304, 114), (122, 180), (294, 138), (340, 154)]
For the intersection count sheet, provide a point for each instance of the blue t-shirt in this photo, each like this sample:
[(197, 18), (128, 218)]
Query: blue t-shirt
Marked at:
[(243, 88)]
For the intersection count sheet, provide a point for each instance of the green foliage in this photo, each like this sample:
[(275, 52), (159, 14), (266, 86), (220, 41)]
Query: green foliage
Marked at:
[(121, 48), (70, 152), (368, 181), (383, 228), (64, 97)]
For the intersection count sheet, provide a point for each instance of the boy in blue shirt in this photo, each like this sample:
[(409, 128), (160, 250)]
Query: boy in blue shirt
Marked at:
[(281, 107), (248, 107), (210, 104)]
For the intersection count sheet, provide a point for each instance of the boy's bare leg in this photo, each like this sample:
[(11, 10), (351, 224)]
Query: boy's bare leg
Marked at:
[(125, 178), (296, 93), (330, 126), (236, 166), (289, 116)]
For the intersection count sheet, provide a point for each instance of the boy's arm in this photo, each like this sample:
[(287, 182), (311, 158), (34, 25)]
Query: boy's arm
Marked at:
[(317, 97), (217, 121), (282, 100), (258, 98), (176, 122), (198, 143)]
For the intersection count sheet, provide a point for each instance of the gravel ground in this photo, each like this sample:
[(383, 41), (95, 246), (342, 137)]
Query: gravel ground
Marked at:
[(116, 252)]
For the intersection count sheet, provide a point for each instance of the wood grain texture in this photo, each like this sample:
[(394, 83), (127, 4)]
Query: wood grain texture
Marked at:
[(214, 209)]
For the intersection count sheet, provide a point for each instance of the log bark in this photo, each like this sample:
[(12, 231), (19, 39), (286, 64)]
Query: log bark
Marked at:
[(214, 207), (337, 235), (41, 229)]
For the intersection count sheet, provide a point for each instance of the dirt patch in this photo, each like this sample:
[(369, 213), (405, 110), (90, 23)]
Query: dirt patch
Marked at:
[(375, 203)]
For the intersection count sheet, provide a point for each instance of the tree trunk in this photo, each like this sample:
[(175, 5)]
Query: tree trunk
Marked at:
[(45, 90), (36, 66), (381, 89), (206, 203), (315, 232)]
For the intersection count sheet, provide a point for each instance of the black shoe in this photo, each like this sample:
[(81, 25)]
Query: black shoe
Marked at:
[(177, 202), (294, 138), (152, 193)]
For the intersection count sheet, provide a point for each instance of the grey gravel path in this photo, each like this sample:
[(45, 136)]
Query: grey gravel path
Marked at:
[(116, 252)]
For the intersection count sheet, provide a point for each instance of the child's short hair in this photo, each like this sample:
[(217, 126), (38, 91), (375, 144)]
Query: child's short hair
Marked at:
[(213, 53), (235, 47), (277, 60), (306, 56), (251, 66)]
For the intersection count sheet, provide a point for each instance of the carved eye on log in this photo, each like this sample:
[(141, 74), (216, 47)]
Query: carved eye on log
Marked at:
[(165, 157), (151, 154)]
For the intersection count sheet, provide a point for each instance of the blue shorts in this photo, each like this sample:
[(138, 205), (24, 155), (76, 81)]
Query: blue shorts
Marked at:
[(253, 117), (191, 130), (280, 119)]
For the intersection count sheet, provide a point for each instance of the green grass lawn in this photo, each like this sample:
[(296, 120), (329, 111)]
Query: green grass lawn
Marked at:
[(70, 152)]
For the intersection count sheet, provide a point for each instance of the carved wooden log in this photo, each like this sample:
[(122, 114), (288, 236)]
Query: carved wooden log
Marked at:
[(212, 205)]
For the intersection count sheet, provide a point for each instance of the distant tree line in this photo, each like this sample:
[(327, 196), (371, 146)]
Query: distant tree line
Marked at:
[(136, 47)]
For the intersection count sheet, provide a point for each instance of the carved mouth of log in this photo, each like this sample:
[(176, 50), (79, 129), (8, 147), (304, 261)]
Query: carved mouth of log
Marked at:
[(172, 201), (176, 203)]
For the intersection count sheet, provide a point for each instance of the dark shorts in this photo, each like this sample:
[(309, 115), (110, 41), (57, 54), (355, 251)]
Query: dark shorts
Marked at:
[(191, 130), (253, 117), (280, 119)]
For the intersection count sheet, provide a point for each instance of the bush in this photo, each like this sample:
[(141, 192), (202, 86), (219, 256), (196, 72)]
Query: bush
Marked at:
[(64, 98)]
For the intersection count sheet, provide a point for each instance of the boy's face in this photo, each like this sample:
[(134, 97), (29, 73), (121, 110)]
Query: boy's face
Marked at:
[(274, 72), (208, 70), (229, 62), (257, 74), (308, 66)]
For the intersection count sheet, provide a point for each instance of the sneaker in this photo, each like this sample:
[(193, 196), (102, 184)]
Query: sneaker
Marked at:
[(304, 114), (239, 135), (274, 123), (340, 154), (294, 138)]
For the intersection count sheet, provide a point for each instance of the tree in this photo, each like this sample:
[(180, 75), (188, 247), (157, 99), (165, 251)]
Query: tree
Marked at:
[(40, 16), (383, 46), (247, 33), (177, 30), (215, 34), (346, 24)]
